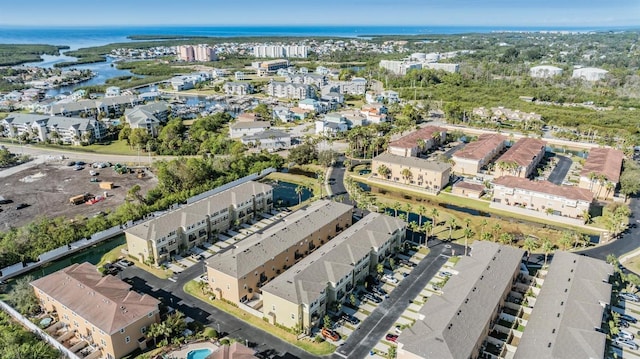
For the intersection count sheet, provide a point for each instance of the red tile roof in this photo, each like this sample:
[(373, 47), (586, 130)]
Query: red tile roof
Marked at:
[(106, 302), (411, 140), (523, 152), (485, 144), (569, 192), (604, 161)]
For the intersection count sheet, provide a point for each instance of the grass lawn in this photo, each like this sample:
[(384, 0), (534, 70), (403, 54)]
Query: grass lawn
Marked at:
[(633, 263), (508, 222), (112, 148), (112, 255), (308, 345)]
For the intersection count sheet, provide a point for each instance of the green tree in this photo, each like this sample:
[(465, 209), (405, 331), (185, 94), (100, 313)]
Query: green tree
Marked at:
[(468, 233), (566, 240), (299, 189), (546, 247), (303, 154), (379, 269), (452, 224), (326, 322), (434, 216), (22, 296), (530, 245)]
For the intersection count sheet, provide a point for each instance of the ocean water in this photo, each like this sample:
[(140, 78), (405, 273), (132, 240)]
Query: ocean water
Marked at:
[(79, 37)]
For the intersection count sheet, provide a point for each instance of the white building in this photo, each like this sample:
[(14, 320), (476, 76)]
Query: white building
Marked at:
[(545, 71), (289, 90), (276, 51), (247, 128), (237, 88), (112, 91), (589, 74), (69, 130), (270, 140), (399, 67)]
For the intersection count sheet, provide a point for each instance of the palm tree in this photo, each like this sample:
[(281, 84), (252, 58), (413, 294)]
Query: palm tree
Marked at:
[(154, 332), (383, 171), (468, 233), (496, 228), (406, 175), (434, 216), (320, 176), (592, 178), (506, 238), (483, 224), (452, 224), (530, 245), (396, 207), (467, 222), (408, 208), (428, 230), (566, 240), (586, 216), (546, 247), (414, 227), (610, 187), (486, 236), (299, 189), (421, 144), (422, 210)]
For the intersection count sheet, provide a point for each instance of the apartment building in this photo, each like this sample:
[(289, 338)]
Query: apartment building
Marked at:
[(476, 155), (454, 325), (238, 274), (149, 117), (299, 298), (237, 88), (297, 51), (399, 67), (418, 141), (307, 79), (248, 128), (270, 140), (289, 90), (566, 321), (102, 311), (430, 176), (202, 52), (271, 66), (157, 239), (601, 172), (521, 159), (69, 130), (356, 86), (541, 196)]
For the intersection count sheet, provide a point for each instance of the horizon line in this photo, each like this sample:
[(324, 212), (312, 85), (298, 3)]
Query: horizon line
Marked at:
[(610, 26)]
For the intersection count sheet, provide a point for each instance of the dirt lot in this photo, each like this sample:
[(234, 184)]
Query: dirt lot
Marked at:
[(47, 187)]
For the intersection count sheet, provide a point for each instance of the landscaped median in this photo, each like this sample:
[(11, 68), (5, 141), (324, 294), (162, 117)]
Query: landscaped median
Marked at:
[(322, 348)]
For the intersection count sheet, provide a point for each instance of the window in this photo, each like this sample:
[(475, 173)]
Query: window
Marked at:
[(293, 316), (143, 330), (127, 339), (149, 315), (103, 342), (122, 330), (273, 307)]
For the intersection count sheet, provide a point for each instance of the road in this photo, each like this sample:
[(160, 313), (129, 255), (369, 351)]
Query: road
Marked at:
[(561, 169), (372, 329)]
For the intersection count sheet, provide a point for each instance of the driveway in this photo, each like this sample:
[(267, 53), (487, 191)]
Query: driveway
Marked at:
[(374, 327), (559, 173)]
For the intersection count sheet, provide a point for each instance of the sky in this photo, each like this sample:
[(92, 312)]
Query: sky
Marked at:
[(583, 13)]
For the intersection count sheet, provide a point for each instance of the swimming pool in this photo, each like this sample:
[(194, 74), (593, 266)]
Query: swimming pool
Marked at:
[(198, 354)]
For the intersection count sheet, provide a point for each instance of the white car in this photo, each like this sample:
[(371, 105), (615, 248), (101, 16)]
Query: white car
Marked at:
[(629, 296), (625, 334), (625, 343), (390, 279)]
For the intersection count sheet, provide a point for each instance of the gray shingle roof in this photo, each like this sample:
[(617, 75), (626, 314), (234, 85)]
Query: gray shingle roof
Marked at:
[(454, 322), (82, 124), (250, 124), (161, 226), (568, 309), (414, 162), (303, 283), (256, 249)]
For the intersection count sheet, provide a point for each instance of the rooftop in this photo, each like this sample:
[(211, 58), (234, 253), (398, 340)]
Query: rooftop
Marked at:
[(479, 149), (304, 282), (569, 192), (568, 310), (454, 322), (82, 124), (411, 140), (261, 246), (523, 152), (250, 124), (413, 162), (106, 302), (604, 161)]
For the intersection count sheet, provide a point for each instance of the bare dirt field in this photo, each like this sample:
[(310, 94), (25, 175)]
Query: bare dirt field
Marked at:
[(47, 187)]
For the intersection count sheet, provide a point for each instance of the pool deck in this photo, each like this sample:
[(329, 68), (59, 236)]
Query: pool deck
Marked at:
[(182, 353)]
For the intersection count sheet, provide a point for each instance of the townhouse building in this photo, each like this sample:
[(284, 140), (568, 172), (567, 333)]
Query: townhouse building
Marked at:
[(299, 298), (100, 311), (69, 130), (247, 128), (307, 79), (149, 117), (289, 90), (237, 88), (541, 196), (175, 232), (470, 160), (429, 176), (601, 172), (270, 140), (239, 273), (521, 159), (418, 141), (455, 324), (356, 86)]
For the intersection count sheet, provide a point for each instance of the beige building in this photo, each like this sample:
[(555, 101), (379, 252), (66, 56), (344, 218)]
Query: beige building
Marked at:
[(418, 141), (299, 298), (601, 172), (158, 239), (234, 350), (454, 325), (476, 155), (238, 274), (431, 176), (103, 311), (521, 159), (542, 196)]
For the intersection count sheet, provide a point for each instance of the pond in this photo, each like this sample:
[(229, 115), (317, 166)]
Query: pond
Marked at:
[(285, 193)]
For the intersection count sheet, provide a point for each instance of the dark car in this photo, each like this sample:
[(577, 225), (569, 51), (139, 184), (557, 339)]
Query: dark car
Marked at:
[(71, 163), (22, 205), (80, 163), (6, 201), (372, 297), (350, 319), (407, 263), (391, 337), (379, 291), (628, 318), (623, 324)]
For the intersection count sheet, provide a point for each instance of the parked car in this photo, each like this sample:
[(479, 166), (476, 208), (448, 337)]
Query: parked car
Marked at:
[(22, 205), (446, 274), (71, 163), (629, 296), (80, 163), (78, 168), (397, 329), (350, 319), (125, 263), (628, 318), (379, 291), (391, 337), (625, 343), (625, 334), (330, 334), (372, 297), (407, 263), (390, 279), (623, 324), (6, 201)]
